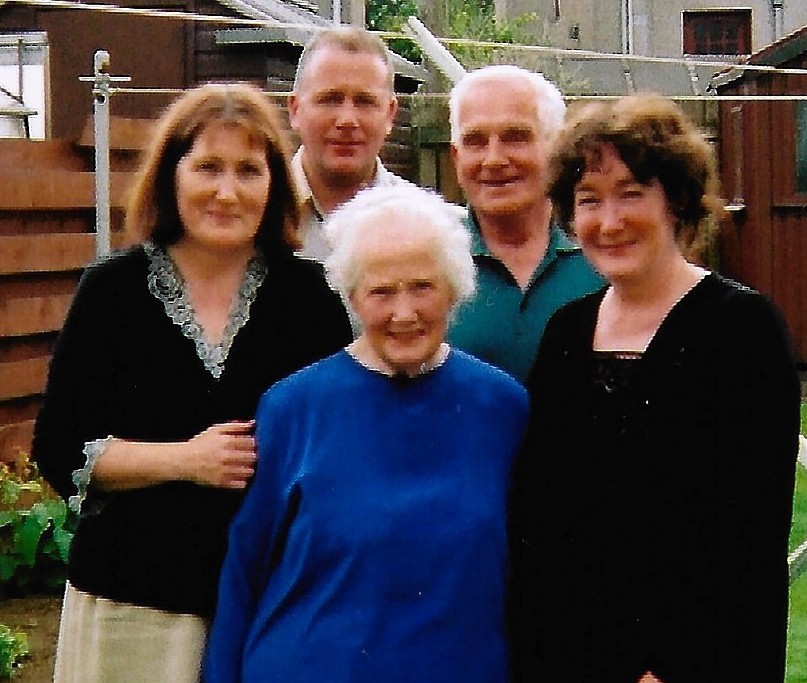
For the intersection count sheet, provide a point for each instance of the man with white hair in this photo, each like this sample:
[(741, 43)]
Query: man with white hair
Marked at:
[(502, 121), (343, 107)]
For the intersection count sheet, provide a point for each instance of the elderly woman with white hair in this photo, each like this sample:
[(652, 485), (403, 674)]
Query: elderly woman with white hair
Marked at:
[(372, 543)]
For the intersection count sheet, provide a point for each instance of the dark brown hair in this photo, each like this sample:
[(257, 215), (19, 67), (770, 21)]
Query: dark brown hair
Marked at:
[(655, 139), (152, 212)]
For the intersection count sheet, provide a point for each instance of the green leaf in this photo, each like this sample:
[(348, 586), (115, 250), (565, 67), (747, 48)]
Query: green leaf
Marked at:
[(8, 566), (62, 539), (27, 535)]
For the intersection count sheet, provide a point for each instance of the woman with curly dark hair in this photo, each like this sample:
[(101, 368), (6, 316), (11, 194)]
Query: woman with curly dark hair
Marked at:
[(654, 493)]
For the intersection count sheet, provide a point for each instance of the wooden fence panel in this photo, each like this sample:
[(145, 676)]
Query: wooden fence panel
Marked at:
[(47, 201), (27, 190), (46, 253), (15, 438), (34, 315), (23, 378)]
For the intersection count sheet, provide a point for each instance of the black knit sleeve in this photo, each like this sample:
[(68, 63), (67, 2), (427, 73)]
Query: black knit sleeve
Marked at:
[(758, 423), (74, 410)]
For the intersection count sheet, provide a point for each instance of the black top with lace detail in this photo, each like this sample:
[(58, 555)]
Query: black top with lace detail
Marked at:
[(128, 364)]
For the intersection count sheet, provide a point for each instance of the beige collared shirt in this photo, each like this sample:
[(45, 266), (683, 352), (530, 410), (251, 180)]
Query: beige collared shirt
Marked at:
[(315, 244)]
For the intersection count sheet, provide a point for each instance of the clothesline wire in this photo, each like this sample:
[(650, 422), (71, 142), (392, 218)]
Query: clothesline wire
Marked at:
[(268, 22), (125, 90)]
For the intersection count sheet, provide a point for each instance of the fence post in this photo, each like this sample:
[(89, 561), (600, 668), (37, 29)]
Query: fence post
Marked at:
[(101, 92)]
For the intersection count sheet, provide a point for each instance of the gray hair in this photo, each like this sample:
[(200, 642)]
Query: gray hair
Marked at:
[(346, 227), (351, 39), (548, 101)]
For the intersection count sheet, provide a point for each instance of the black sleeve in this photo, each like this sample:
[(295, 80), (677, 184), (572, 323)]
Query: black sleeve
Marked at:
[(758, 426), (533, 498), (73, 410)]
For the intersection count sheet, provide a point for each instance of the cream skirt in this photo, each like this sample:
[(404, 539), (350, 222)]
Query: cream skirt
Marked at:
[(103, 641)]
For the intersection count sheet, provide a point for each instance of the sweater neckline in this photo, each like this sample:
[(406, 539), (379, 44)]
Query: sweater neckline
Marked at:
[(427, 368), (167, 285)]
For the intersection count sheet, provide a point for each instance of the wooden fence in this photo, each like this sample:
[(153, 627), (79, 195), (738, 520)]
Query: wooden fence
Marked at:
[(47, 216), (47, 221)]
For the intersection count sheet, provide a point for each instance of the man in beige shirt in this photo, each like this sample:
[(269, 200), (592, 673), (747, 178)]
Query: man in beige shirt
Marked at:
[(342, 107)]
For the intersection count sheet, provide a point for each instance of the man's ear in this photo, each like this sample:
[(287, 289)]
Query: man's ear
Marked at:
[(293, 104), (391, 112), (452, 150)]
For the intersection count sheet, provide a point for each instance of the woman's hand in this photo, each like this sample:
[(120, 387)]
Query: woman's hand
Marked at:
[(650, 678), (223, 455)]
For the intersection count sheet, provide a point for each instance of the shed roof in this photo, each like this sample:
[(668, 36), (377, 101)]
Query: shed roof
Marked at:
[(292, 21), (775, 54)]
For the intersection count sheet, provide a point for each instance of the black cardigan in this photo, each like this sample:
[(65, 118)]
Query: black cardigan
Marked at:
[(121, 367), (651, 523)]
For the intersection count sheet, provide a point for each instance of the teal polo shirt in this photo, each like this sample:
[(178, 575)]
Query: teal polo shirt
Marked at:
[(503, 324)]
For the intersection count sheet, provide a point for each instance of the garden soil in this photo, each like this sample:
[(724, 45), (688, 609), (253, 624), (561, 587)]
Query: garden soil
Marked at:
[(37, 616)]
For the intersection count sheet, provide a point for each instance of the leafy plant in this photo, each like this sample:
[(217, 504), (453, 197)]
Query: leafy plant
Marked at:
[(35, 533), (390, 15), (477, 20), (13, 650)]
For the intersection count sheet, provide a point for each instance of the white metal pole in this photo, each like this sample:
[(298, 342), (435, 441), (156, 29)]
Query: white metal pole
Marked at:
[(100, 93), (434, 50)]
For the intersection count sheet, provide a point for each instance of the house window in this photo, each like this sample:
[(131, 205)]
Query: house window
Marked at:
[(801, 147), (717, 32), (23, 85), (789, 173)]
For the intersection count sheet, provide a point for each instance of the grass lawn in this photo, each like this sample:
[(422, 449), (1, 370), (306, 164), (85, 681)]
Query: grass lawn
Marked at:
[(797, 630)]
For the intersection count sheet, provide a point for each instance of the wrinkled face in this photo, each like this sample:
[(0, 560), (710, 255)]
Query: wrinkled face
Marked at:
[(626, 229), (501, 151), (222, 187), (402, 298), (343, 111)]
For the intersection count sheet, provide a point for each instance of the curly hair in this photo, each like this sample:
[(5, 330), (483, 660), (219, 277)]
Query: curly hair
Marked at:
[(655, 139), (404, 205), (152, 212)]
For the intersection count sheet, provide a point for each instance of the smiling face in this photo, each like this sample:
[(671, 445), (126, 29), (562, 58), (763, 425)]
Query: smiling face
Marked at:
[(626, 229), (402, 298), (501, 150), (343, 110), (222, 188)]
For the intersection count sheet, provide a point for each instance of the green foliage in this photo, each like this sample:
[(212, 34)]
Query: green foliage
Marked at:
[(391, 15), (477, 20), (466, 19), (35, 533), (797, 624), (13, 650)]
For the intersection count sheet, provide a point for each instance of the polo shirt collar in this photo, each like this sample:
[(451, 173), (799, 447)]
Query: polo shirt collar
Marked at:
[(559, 243), (304, 188)]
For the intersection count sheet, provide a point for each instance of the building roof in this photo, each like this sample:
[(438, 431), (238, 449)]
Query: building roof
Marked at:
[(775, 54)]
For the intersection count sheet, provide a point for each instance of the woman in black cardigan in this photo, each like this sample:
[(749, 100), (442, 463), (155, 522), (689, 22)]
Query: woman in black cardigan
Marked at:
[(146, 424), (653, 505)]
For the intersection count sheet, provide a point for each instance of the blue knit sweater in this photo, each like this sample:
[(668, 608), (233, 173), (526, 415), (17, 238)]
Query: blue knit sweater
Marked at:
[(372, 544)]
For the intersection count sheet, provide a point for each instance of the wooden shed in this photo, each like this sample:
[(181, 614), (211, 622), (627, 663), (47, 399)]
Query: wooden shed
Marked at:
[(763, 166)]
